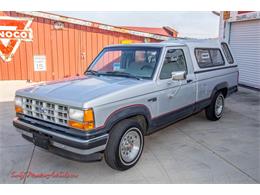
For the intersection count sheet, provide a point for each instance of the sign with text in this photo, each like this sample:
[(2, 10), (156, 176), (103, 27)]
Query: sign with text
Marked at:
[(13, 31), (39, 63)]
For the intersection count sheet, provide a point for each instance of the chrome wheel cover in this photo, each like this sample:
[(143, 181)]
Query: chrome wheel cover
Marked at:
[(219, 105), (131, 145)]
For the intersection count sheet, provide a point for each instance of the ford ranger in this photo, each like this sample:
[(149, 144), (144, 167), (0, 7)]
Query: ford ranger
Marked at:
[(126, 93)]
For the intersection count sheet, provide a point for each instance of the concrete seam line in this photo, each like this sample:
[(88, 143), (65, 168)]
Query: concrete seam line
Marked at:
[(162, 166), (219, 156), (24, 180)]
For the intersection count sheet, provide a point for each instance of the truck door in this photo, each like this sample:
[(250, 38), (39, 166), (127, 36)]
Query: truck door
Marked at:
[(177, 97)]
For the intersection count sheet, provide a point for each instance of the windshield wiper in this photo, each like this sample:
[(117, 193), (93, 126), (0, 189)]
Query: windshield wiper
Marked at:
[(93, 72), (119, 73)]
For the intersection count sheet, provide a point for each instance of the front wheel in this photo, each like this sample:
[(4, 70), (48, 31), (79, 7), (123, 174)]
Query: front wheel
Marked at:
[(125, 145), (215, 110)]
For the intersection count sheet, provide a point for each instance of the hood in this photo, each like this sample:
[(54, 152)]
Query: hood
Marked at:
[(76, 91)]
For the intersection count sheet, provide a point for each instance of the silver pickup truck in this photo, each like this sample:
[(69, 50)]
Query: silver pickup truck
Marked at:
[(127, 92)]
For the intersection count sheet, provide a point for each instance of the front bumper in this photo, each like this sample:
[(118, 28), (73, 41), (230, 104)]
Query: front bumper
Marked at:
[(73, 147)]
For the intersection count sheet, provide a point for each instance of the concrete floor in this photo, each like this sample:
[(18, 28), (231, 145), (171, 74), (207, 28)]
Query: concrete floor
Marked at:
[(193, 150)]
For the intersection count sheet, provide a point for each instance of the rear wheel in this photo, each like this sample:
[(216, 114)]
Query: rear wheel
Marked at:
[(215, 110), (125, 145)]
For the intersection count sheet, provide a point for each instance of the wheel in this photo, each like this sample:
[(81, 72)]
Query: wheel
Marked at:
[(125, 145), (215, 110)]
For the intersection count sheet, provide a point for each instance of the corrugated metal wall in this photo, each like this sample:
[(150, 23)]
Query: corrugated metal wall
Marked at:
[(245, 44), (68, 51)]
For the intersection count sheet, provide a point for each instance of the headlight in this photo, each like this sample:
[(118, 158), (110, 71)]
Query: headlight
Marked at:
[(76, 114), (81, 119), (18, 101), (18, 104)]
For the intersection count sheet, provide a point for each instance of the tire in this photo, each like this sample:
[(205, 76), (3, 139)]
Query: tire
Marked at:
[(215, 110), (122, 151)]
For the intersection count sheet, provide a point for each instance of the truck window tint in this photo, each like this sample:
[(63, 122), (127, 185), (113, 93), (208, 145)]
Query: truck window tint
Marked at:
[(227, 53), (209, 57), (140, 56), (109, 61), (174, 61), (137, 61), (216, 57), (203, 57)]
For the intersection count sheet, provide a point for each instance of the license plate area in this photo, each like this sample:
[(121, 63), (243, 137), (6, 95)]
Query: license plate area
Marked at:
[(41, 140)]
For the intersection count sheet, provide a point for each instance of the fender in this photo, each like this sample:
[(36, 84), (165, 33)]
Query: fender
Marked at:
[(218, 87), (200, 105), (126, 112)]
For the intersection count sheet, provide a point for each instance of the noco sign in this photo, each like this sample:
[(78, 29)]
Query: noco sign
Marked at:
[(12, 32)]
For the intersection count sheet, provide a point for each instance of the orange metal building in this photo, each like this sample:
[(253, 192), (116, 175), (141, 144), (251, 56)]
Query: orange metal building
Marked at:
[(68, 45)]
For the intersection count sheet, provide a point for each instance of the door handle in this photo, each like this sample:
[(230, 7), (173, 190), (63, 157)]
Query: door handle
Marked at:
[(171, 96), (189, 80), (152, 99)]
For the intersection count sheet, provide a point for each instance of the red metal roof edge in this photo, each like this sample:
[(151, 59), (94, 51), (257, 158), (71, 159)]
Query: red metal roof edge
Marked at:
[(103, 26), (171, 30), (167, 31), (154, 30)]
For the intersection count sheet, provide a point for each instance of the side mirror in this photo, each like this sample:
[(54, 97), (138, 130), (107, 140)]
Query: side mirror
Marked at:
[(179, 75)]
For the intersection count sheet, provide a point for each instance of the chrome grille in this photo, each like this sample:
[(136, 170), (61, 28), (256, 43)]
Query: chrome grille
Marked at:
[(46, 111)]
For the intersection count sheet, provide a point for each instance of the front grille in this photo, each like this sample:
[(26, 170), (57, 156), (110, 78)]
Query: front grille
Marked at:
[(46, 111)]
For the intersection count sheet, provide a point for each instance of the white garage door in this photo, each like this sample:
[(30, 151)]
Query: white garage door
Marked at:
[(245, 44)]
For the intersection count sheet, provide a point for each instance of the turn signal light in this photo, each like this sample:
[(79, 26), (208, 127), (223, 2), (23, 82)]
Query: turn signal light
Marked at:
[(88, 115), (85, 126), (18, 109)]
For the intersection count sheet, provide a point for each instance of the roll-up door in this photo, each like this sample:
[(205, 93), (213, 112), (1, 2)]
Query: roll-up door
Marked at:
[(245, 45)]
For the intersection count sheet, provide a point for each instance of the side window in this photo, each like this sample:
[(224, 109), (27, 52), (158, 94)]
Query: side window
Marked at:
[(227, 53), (209, 57), (174, 61), (216, 57), (203, 57)]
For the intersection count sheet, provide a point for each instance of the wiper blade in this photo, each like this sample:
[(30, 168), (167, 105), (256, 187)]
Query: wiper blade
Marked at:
[(93, 72), (119, 73)]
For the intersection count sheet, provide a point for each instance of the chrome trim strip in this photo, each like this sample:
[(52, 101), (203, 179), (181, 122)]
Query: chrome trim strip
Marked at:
[(80, 141), (79, 151), (69, 148)]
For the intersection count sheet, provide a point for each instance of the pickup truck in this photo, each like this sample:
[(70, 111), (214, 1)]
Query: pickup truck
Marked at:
[(126, 93)]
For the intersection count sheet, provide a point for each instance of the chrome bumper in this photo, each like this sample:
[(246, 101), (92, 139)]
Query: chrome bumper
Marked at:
[(27, 130)]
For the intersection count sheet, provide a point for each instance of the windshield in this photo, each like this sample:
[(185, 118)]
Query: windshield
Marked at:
[(138, 62)]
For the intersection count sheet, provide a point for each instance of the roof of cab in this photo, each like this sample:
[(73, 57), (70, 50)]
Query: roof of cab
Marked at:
[(176, 42)]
